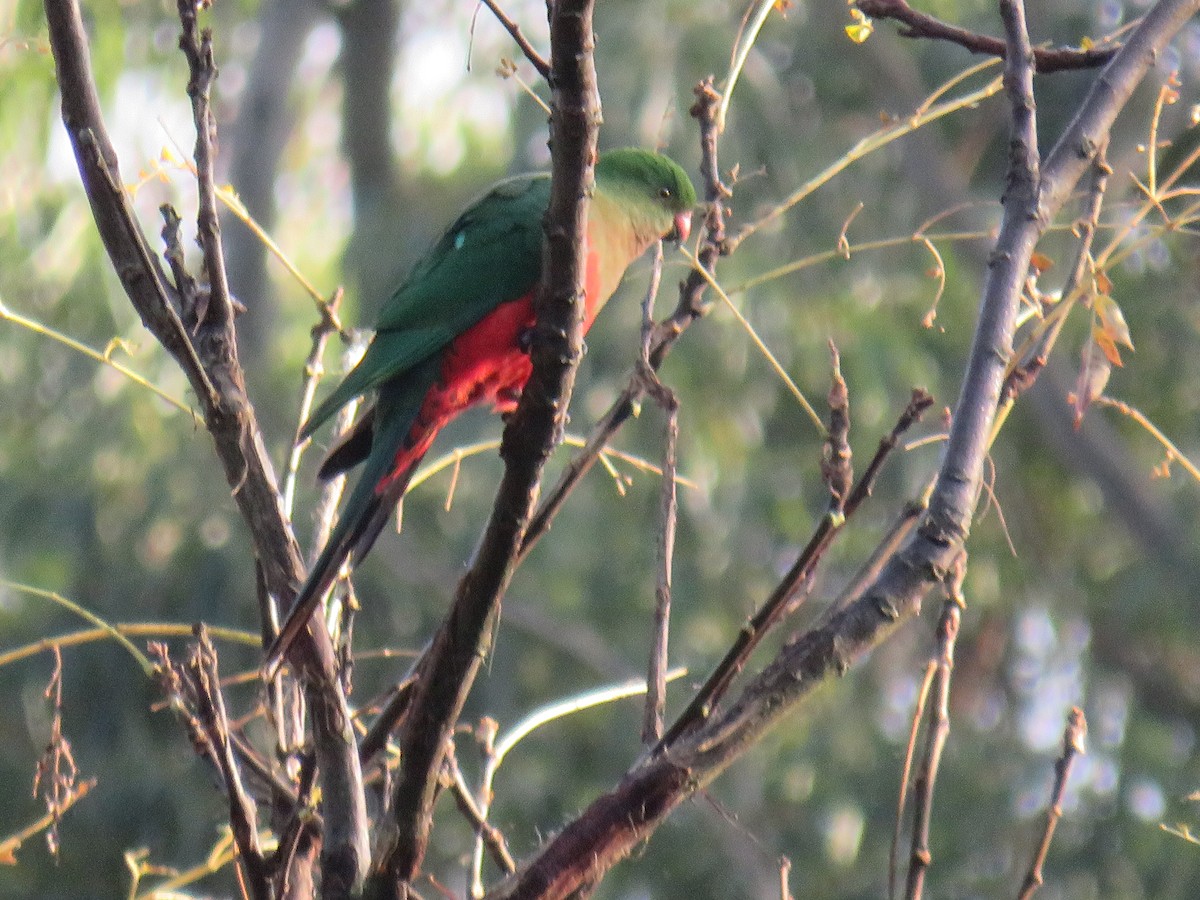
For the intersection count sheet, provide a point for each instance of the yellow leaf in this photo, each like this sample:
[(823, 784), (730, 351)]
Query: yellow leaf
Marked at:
[(1103, 283), (860, 29), (1086, 43), (1112, 320)]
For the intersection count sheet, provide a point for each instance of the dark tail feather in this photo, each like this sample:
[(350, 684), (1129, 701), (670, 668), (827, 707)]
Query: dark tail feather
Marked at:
[(351, 449)]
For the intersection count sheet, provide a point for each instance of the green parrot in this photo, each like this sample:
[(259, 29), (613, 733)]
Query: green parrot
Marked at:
[(457, 332)]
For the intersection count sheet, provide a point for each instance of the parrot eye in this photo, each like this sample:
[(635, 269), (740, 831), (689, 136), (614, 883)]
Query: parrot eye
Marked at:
[(665, 193)]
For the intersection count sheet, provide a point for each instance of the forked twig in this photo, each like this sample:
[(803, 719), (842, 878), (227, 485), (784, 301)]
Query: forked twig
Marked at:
[(787, 592)]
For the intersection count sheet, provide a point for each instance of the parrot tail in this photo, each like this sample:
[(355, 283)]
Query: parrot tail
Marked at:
[(398, 439)]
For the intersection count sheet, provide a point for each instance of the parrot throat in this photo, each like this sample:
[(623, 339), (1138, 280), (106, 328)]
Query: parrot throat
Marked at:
[(487, 364)]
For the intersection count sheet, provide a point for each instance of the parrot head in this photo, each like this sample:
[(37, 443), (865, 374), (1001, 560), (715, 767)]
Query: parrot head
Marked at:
[(653, 184)]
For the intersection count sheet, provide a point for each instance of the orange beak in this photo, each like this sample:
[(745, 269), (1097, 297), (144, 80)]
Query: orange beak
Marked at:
[(683, 227)]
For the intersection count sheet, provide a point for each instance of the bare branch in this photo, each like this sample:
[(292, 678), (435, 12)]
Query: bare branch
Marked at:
[(921, 25), (656, 677), (793, 587), (197, 47), (909, 752), (1086, 134), (492, 837), (209, 359), (210, 709)]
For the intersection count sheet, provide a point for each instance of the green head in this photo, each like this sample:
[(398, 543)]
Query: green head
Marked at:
[(651, 183)]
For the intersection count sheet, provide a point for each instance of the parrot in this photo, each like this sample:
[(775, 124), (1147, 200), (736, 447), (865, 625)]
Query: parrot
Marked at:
[(457, 334)]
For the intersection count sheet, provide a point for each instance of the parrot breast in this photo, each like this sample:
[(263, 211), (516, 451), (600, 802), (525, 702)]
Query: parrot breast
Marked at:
[(488, 363)]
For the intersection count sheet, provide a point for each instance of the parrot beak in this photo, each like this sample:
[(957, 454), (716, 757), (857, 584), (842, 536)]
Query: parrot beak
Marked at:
[(683, 227)]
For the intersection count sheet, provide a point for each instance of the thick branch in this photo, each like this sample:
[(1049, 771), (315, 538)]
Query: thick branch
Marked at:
[(462, 640), (1086, 134)]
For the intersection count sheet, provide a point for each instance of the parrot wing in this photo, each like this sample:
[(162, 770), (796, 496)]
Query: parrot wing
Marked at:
[(490, 255)]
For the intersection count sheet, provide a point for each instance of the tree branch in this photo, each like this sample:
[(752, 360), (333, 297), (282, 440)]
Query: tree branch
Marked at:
[(1074, 737), (209, 359), (921, 25), (937, 732), (461, 642)]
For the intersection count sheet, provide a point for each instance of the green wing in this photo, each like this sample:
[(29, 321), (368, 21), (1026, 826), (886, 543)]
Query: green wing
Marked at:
[(490, 255)]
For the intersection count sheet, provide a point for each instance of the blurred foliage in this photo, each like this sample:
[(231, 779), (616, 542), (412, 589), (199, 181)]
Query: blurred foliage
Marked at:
[(112, 497)]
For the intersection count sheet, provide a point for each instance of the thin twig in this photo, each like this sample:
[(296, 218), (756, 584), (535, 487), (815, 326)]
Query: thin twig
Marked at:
[(747, 36), (656, 676), (936, 734), (514, 31), (314, 369), (792, 587), (210, 710), (1074, 737), (485, 831), (910, 750), (197, 47)]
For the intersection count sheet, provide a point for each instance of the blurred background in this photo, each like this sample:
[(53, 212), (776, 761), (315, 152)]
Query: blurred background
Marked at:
[(355, 132)]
